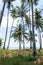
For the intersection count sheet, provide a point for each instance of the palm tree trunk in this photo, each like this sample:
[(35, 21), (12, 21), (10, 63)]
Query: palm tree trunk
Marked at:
[(10, 34), (34, 46), (31, 46), (19, 44), (30, 27), (23, 45), (2, 12), (23, 34), (6, 29), (39, 37)]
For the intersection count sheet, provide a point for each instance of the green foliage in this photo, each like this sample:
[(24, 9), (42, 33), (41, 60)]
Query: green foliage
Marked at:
[(18, 60), (31, 58), (18, 33), (0, 42), (38, 18), (39, 53), (36, 2)]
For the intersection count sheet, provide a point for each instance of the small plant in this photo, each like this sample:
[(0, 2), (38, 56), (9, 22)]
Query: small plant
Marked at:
[(31, 58)]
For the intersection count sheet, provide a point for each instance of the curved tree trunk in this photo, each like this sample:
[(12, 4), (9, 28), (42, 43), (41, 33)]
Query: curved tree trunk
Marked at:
[(10, 34), (34, 45), (6, 29), (2, 12)]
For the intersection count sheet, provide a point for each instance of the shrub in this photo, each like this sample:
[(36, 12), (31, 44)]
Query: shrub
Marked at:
[(31, 58)]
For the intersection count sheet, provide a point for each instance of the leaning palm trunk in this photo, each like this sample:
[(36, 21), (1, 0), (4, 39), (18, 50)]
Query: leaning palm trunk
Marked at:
[(40, 38), (30, 27), (2, 12), (6, 29), (34, 46), (10, 34)]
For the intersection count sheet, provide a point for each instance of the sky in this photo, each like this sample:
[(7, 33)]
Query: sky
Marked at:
[(3, 26)]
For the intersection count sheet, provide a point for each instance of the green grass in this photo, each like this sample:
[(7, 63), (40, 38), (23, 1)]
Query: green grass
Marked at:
[(14, 52), (18, 60)]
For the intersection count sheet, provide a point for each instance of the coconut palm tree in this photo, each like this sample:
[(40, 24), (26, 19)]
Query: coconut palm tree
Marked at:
[(14, 17), (29, 2), (39, 25), (5, 2), (18, 34), (20, 13), (10, 34), (2, 11), (34, 47), (9, 4)]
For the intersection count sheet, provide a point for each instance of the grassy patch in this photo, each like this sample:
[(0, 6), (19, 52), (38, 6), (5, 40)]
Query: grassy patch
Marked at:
[(17, 60), (25, 59)]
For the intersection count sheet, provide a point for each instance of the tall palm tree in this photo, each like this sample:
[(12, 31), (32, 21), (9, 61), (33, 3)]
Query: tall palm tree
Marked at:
[(18, 34), (4, 1), (20, 12), (10, 34), (30, 23), (9, 4), (34, 46), (14, 17), (2, 11), (29, 2), (39, 25)]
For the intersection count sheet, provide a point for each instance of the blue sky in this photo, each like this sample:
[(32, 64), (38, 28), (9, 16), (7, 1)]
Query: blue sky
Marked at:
[(4, 21)]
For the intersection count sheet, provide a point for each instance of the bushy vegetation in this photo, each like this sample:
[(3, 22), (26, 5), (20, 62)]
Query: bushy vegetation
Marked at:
[(19, 59)]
